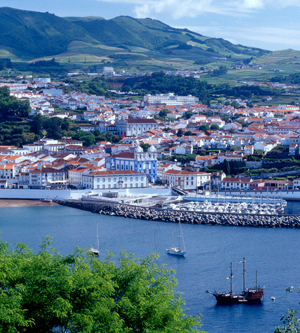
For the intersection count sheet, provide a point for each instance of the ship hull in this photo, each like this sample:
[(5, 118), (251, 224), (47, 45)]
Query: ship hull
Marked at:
[(247, 297)]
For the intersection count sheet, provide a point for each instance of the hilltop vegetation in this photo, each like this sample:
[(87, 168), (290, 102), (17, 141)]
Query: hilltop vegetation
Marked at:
[(29, 35)]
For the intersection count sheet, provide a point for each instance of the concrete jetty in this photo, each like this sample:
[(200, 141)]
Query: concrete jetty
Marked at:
[(166, 215)]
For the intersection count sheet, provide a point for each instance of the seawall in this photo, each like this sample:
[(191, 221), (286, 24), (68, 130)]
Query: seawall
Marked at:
[(136, 212)]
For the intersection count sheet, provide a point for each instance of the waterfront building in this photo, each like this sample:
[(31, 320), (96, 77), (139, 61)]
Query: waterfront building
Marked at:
[(76, 176), (186, 180), (138, 161), (236, 183), (42, 178), (115, 179)]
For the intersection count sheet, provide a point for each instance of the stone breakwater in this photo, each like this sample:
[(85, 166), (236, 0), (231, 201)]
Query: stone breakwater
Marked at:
[(115, 209)]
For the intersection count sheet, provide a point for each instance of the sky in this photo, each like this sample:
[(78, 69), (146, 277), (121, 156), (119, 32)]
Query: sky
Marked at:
[(267, 24)]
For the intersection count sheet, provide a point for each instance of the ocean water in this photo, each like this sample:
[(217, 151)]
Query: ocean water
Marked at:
[(274, 253)]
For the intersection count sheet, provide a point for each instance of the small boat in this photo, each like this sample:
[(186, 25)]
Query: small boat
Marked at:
[(95, 249), (251, 295), (177, 250)]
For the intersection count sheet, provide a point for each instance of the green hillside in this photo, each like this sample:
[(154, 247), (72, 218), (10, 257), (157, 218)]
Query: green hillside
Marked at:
[(29, 35)]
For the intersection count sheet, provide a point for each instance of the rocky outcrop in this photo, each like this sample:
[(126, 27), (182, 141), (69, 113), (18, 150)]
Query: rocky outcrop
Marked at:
[(114, 209)]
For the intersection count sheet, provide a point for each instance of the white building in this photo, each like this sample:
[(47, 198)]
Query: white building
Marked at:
[(115, 179), (46, 177), (170, 99), (236, 183), (108, 71), (186, 180)]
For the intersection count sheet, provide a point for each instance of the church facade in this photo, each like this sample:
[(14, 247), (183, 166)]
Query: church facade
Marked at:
[(139, 161)]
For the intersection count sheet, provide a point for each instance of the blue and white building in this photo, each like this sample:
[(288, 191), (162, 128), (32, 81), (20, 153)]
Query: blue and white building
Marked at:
[(139, 161)]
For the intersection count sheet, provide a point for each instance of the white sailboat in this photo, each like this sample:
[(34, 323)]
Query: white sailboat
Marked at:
[(95, 249), (180, 249)]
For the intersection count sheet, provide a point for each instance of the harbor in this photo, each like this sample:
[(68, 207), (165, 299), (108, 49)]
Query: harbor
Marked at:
[(188, 217)]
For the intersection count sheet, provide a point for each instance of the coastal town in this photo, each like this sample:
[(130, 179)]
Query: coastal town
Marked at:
[(165, 139)]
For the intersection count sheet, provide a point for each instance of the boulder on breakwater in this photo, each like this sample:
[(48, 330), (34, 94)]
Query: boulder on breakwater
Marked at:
[(166, 215)]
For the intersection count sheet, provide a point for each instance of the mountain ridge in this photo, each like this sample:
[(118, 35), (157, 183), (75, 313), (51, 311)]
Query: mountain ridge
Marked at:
[(30, 34)]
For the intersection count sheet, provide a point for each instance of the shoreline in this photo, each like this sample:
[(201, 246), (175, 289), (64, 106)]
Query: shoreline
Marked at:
[(24, 203)]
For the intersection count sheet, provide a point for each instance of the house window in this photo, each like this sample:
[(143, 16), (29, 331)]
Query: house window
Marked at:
[(136, 185), (103, 186)]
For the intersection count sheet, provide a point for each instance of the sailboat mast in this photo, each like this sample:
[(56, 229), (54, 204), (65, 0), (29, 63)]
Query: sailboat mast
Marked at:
[(231, 276), (244, 274), (256, 281), (97, 238)]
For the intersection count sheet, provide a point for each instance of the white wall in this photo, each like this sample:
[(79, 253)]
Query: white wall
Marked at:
[(73, 194)]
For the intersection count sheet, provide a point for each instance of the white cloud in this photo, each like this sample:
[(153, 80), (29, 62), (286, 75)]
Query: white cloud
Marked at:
[(193, 8), (262, 37)]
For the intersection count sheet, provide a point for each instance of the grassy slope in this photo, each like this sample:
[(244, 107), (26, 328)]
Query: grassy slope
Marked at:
[(31, 34), (94, 40)]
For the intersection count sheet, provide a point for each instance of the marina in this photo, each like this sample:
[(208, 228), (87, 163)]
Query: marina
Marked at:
[(205, 267), (231, 207)]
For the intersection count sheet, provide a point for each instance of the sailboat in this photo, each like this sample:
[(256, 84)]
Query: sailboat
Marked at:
[(178, 250), (95, 249), (251, 295)]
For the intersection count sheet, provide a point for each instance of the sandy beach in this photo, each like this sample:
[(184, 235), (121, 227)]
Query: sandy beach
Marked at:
[(24, 203)]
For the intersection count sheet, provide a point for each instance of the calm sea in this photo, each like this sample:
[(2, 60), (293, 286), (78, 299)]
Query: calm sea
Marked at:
[(274, 253)]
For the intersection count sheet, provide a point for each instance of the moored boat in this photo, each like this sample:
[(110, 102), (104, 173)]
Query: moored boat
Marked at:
[(247, 295), (177, 250)]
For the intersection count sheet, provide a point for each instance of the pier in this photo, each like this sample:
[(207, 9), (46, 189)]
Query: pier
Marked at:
[(166, 215)]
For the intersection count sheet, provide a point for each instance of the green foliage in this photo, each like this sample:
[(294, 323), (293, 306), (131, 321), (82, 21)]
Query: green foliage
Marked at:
[(253, 158), (87, 138), (5, 63), (188, 133), (126, 88), (45, 63), (163, 112), (214, 127), (46, 292), (290, 79), (98, 86), (108, 136), (204, 128), (179, 132), (11, 107), (291, 321), (188, 115), (145, 146), (220, 71), (229, 167), (182, 158)]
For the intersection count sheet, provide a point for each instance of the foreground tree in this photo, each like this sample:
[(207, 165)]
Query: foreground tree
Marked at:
[(291, 321), (47, 292)]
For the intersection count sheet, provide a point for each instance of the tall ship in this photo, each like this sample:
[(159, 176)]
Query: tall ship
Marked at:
[(247, 295)]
